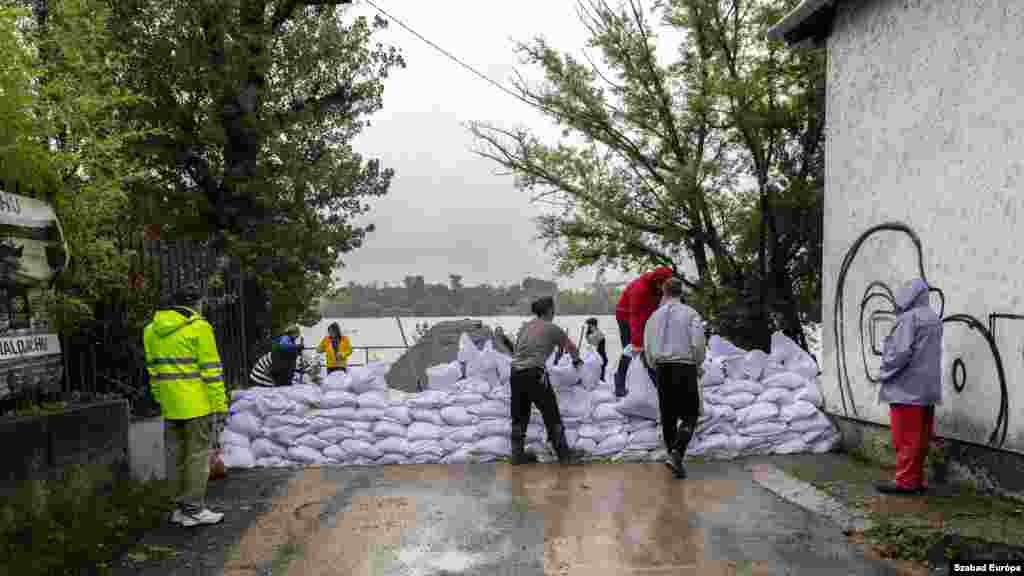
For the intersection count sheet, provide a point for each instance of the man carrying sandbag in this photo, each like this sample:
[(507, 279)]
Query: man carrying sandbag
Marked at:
[(638, 301), (674, 351), (911, 383), (187, 380), (536, 341)]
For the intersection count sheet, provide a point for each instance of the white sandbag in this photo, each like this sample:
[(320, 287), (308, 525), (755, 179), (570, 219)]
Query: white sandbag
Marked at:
[(602, 396), (503, 393), (393, 445), (474, 385), (636, 425), (735, 366), (279, 420), (431, 415), (814, 434), (716, 427), (494, 445), (490, 409), (574, 403), (286, 435), (424, 431), (468, 352), (612, 427), (587, 445), (534, 432), (360, 425), (771, 368), (365, 436), (458, 416), (430, 399), (738, 401), (645, 439), (818, 422), (467, 399), (274, 403), (272, 462), (826, 444), (244, 394), (718, 346), (316, 424), (787, 380), (462, 456), (504, 362), (591, 431), (754, 363), (756, 413), (384, 429), (249, 404), (608, 413), (810, 395), (710, 443), (562, 373), (361, 448), (763, 428), (590, 371), (375, 383), (485, 365), (464, 434), (264, 448), (337, 381), (314, 442), (642, 399), (397, 414), (336, 454), (571, 437), (426, 447), (362, 461), (245, 424), (235, 456), (229, 437), (308, 395), (443, 376), (737, 386), (792, 357), (335, 435), (373, 399), (449, 444), (391, 459), (494, 427), (798, 411), (779, 396), (793, 446), (340, 415), (611, 445), (339, 399), (369, 414)]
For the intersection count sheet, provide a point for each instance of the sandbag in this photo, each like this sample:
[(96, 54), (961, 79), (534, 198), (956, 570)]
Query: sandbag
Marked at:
[(534, 433), (274, 403), (485, 366), (718, 346), (443, 376), (779, 396), (756, 413), (787, 380), (763, 428), (272, 462), (710, 443), (574, 403), (736, 386), (336, 454), (237, 457), (426, 448), (794, 358), (384, 429), (264, 448), (493, 445), (449, 444), (642, 399), (609, 413), (397, 414), (647, 438), (468, 352), (590, 371), (738, 401), (424, 431), (813, 435), (590, 431), (754, 363), (335, 435), (369, 414), (308, 395), (429, 399), (794, 446), (339, 399), (587, 445), (465, 434), (364, 435), (467, 399), (360, 448), (716, 427), (799, 411), (229, 437), (279, 420), (714, 372), (315, 424), (460, 457), (611, 444), (360, 425), (337, 380), (458, 416), (633, 425), (245, 424), (365, 379), (735, 367), (374, 399), (431, 415), (286, 435), (314, 442), (811, 395), (389, 459), (562, 373), (474, 385), (602, 395), (490, 409), (495, 427)]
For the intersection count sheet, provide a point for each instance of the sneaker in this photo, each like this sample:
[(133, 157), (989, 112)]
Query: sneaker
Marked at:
[(203, 517)]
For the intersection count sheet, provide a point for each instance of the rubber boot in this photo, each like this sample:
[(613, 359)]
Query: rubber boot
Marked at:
[(565, 454), (519, 453)]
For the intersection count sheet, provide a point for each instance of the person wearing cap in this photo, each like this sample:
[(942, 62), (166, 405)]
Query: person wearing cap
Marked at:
[(674, 351), (911, 383), (596, 339), (284, 355), (638, 301), (187, 381)]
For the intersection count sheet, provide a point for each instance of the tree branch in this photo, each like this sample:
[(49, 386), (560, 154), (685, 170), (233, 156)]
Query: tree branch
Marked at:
[(286, 9)]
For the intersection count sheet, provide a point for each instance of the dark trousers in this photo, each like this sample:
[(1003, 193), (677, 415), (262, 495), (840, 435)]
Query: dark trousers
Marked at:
[(337, 369), (530, 387), (604, 357), (620, 374), (678, 400)]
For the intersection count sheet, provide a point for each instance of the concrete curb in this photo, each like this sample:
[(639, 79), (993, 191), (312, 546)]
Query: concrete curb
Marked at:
[(808, 497)]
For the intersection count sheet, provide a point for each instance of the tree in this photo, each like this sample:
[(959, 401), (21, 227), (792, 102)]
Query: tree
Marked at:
[(256, 103), (667, 153)]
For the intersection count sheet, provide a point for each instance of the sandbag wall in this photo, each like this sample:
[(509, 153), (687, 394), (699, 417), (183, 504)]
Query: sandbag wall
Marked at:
[(354, 419)]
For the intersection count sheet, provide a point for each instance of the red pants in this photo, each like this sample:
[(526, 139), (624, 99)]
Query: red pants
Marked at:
[(911, 435)]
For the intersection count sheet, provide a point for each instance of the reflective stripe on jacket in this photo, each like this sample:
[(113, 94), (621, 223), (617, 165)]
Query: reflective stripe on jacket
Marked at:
[(336, 358), (186, 375)]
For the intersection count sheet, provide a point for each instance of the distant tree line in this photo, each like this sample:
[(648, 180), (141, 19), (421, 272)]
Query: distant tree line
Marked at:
[(417, 298)]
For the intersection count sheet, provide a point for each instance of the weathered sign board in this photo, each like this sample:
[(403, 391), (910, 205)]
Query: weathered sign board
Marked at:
[(32, 252)]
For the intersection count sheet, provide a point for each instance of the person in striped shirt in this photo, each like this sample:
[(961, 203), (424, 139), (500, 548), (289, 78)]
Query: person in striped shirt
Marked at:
[(261, 375)]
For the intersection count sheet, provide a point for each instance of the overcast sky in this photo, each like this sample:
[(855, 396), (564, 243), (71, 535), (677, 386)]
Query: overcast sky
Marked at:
[(447, 211)]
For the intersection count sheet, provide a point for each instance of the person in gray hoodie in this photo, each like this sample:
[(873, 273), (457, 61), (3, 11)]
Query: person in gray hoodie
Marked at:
[(674, 351), (911, 383)]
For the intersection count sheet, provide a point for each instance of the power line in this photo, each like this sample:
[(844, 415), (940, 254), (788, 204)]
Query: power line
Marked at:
[(454, 58)]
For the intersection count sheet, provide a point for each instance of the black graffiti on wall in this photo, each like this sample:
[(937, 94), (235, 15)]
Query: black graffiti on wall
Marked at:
[(880, 291)]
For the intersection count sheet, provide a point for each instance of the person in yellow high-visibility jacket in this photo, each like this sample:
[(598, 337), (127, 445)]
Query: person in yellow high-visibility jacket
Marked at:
[(336, 348), (187, 380)]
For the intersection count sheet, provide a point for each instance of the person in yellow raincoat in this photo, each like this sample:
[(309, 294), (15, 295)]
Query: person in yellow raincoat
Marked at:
[(187, 380), (336, 348)]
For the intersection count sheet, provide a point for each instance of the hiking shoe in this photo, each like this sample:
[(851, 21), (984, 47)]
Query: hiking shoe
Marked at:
[(203, 517)]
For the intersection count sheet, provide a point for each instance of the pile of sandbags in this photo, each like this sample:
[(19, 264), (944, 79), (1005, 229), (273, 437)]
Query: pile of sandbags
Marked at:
[(753, 403)]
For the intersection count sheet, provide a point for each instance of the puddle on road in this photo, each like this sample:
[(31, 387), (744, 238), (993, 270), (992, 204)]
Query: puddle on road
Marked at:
[(596, 519)]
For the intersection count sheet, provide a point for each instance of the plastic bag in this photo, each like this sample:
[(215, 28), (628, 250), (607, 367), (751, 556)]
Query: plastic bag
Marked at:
[(642, 400)]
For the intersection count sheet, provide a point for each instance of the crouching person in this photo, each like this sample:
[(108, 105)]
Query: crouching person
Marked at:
[(187, 381), (674, 350), (536, 341), (911, 383)]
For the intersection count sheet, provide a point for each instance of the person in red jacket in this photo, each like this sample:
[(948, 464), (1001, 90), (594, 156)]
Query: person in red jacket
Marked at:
[(639, 300)]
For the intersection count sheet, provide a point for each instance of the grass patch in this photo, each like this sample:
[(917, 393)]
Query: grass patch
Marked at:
[(77, 523)]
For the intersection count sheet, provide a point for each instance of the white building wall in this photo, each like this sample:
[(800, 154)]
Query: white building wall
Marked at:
[(926, 127)]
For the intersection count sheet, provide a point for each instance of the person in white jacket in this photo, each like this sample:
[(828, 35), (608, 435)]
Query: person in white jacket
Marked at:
[(674, 351)]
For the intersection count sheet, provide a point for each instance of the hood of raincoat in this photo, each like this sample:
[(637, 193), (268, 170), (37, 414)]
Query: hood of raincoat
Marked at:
[(913, 294), (168, 321)]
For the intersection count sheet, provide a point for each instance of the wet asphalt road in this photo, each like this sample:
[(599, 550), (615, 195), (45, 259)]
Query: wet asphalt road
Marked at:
[(496, 519)]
